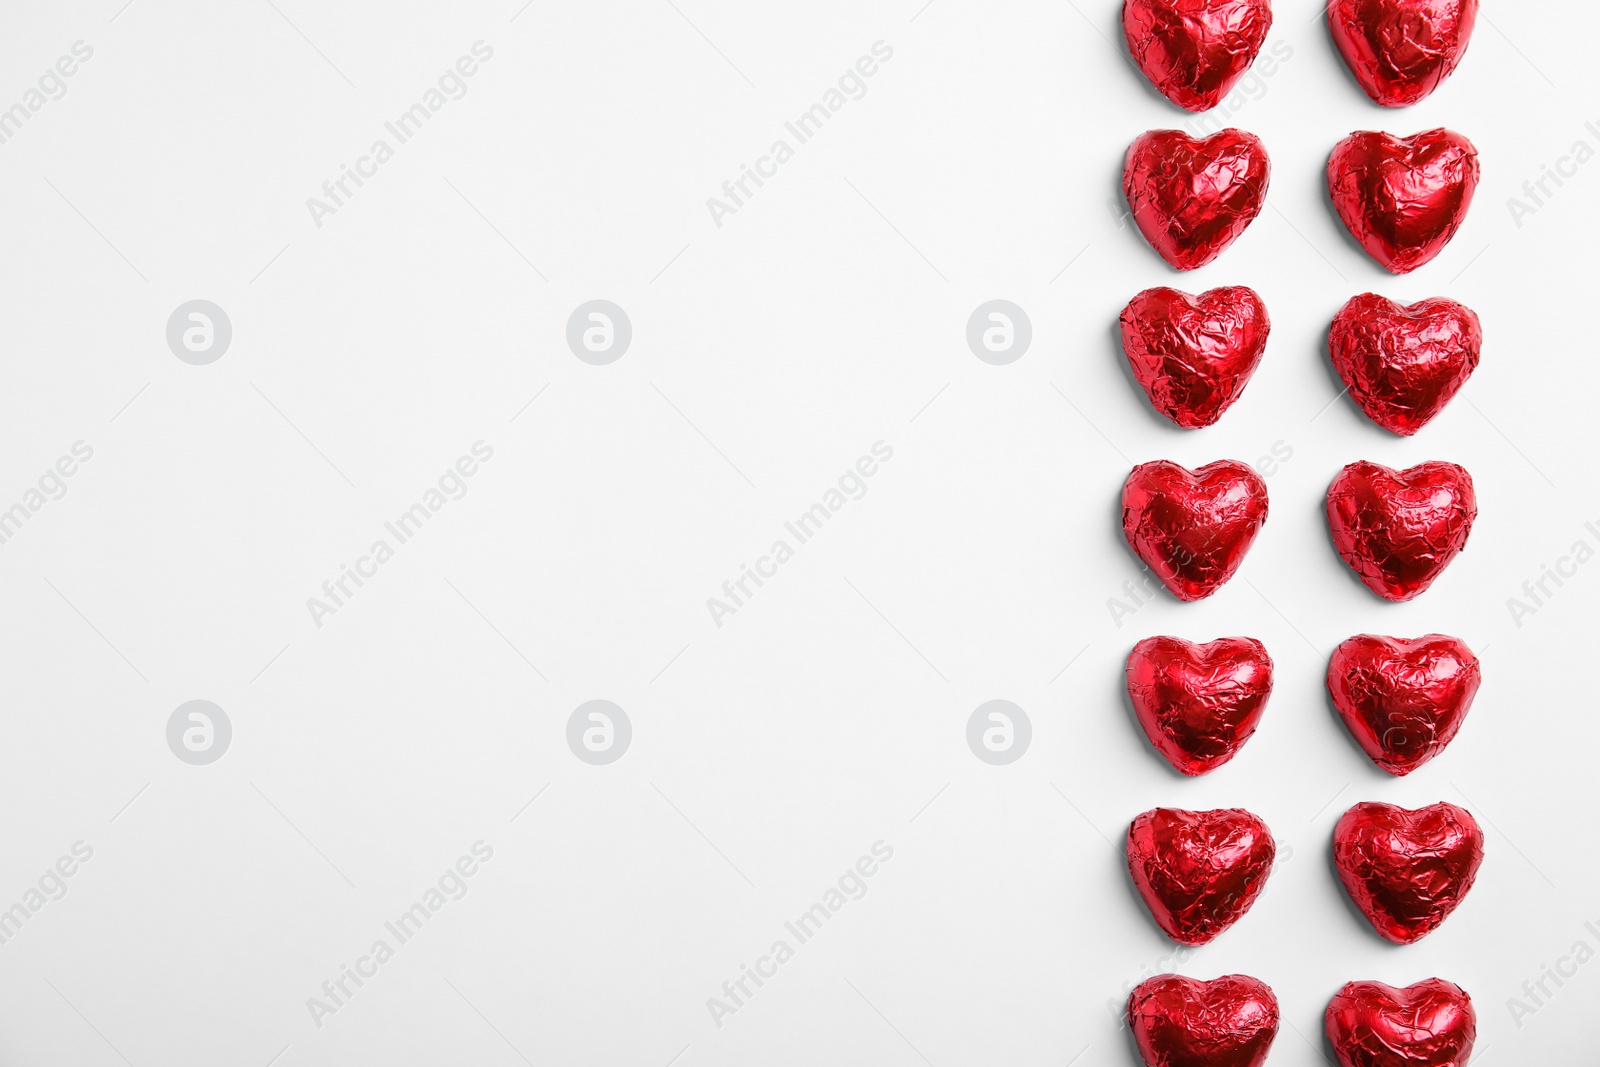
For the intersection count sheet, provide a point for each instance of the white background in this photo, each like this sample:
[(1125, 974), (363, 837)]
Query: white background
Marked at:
[(768, 355)]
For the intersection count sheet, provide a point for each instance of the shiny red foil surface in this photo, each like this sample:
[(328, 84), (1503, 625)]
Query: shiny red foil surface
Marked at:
[(1404, 364), (1191, 198), (1407, 870), (1199, 704), (1430, 1024), (1403, 199), (1403, 701), (1193, 528), (1193, 51), (1184, 1022), (1193, 355), (1199, 871), (1401, 50), (1399, 530)]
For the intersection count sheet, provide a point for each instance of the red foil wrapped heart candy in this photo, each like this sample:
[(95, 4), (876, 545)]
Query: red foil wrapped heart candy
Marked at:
[(1403, 701), (1399, 530), (1193, 528), (1193, 355), (1193, 51), (1407, 870), (1401, 50), (1199, 871), (1183, 1022), (1199, 704), (1430, 1024), (1191, 198), (1403, 199), (1403, 364)]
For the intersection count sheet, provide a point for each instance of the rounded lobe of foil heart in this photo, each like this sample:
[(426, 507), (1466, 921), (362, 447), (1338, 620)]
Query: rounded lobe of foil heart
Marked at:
[(1191, 199), (1430, 1024), (1194, 51), (1404, 364), (1199, 704), (1399, 530), (1401, 50), (1183, 1022), (1199, 871), (1407, 870), (1403, 199), (1193, 356), (1403, 701), (1193, 528)]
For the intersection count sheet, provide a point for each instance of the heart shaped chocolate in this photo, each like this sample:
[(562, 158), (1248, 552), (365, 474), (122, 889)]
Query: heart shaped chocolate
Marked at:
[(1193, 528), (1399, 530), (1430, 1024), (1183, 1022), (1199, 704), (1407, 870), (1193, 51), (1403, 364), (1199, 871), (1401, 50), (1191, 199), (1193, 355), (1403, 199), (1403, 701)]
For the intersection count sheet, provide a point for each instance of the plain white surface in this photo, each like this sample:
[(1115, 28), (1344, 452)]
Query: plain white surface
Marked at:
[(767, 356)]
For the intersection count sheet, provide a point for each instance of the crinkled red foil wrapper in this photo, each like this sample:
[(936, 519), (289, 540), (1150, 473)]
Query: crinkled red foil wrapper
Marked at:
[(1199, 704), (1194, 51), (1407, 870), (1193, 528), (1403, 700), (1403, 199), (1183, 1022), (1193, 355), (1199, 871), (1398, 530), (1430, 1024), (1192, 198), (1404, 364), (1401, 50)]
